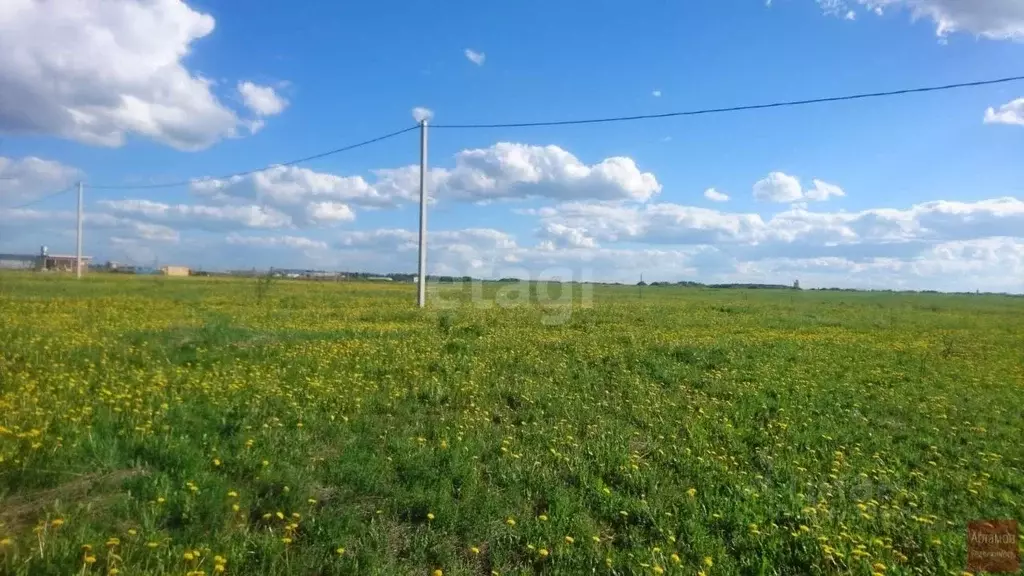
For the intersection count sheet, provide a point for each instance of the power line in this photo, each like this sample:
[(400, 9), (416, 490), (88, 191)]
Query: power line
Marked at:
[(41, 199), (704, 111), (254, 171)]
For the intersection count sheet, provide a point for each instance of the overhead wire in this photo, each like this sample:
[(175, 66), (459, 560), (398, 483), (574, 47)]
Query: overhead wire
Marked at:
[(39, 200), (253, 171), (704, 111), (697, 112)]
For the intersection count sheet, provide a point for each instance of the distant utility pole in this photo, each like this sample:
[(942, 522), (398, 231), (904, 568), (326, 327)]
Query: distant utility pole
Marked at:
[(78, 249), (423, 215)]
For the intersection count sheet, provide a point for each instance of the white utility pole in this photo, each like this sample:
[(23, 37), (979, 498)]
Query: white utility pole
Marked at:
[(423, 215), (78, 250)]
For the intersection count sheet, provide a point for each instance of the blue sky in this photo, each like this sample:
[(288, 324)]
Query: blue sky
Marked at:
[(929, 192)]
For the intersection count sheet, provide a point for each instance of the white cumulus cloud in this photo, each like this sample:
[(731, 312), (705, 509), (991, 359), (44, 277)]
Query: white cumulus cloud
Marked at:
[(778, 187), (823, 191), (261, 100), (383, 238), (291, 186), (508, 170), (213, 218), (420, 114), (939, 245), (329, 212), (880, 232), (1010, 113), (781, 187), (24, 179), (286, 241), (97, 71), (564, 236), (475, 57), (993, 19), (715, 195)]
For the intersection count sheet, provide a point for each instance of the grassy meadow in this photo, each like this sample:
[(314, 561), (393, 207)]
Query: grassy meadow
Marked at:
[(212, 426)]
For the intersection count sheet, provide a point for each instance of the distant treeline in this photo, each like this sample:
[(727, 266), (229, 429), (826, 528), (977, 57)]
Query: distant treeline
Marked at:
[(410, 277), (738, 285)]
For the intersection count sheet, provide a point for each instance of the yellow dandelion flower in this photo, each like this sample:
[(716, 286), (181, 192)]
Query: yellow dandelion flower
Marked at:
[(89, 559), (232, 494), (218, 568), (216, 461), (430, 515), (279, 514), (543, 552), (708, 561), (474, 550), (676, 559), (658, 569), (5, 542), (189, 556), (286, 540), (691, 492), (569, 540), (57, 522), (510, 521), (437, 572), (340, 551), (542, 518)]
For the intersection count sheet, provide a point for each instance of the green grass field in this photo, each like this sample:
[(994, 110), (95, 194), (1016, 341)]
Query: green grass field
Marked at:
[(175, 426)]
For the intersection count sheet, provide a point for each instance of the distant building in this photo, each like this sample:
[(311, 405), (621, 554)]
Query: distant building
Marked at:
[(175, 271), (63, 263), (44, 261)]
